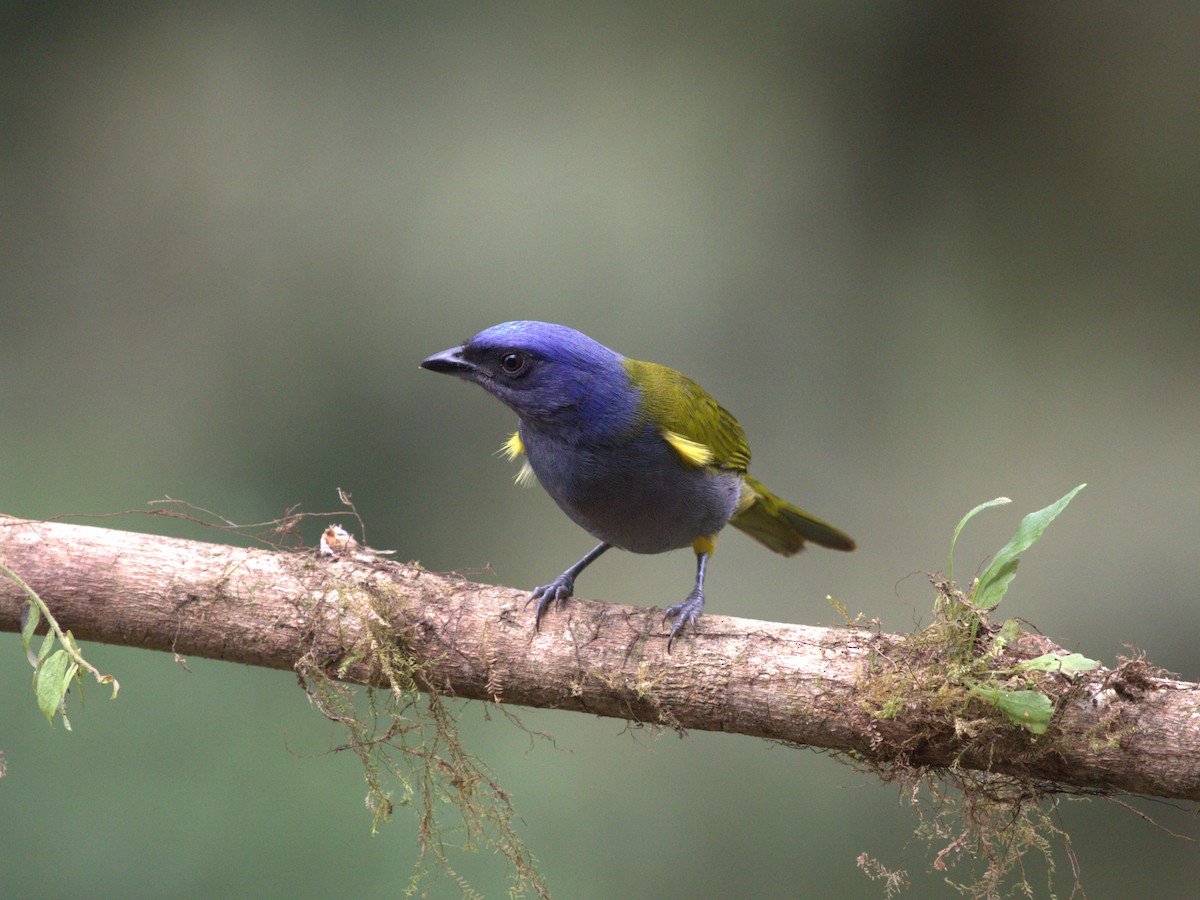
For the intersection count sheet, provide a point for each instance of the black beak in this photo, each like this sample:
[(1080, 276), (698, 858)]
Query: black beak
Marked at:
[(449, 362)]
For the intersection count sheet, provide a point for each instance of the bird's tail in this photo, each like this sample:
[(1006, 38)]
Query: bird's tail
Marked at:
[(777, 524)]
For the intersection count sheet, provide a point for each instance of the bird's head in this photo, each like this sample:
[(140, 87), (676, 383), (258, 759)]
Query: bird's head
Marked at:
[(551, 376)]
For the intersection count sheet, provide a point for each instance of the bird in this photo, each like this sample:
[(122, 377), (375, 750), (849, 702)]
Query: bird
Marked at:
[(635, 453)]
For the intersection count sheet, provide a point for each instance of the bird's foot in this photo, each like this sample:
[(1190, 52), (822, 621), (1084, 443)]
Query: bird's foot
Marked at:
[(684, 614), (555, 593)]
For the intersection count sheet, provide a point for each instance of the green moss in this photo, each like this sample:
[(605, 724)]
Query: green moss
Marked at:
[(945, 680), (405, 736)]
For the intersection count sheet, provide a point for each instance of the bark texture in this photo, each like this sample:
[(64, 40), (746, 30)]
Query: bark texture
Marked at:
[(1122, 729)]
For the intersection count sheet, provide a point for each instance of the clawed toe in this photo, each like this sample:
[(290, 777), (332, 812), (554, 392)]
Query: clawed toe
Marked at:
[(684, 614), (553, 594)]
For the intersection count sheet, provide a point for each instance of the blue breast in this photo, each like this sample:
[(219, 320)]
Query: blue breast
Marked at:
[(635, 494)]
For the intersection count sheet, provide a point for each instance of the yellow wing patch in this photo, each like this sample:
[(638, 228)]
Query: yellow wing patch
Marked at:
[(512, 448), (693, 453)]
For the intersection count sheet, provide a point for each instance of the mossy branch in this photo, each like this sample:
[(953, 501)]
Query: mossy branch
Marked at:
[(883, 699)]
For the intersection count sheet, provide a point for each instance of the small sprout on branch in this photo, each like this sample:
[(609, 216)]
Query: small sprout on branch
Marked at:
[(53, 669)]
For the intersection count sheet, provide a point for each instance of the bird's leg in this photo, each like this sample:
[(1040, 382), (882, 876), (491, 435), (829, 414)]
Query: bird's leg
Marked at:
[(687, 612), (563, 586)]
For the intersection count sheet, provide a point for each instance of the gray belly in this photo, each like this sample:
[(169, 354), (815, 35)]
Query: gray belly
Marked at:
[(638, 496)]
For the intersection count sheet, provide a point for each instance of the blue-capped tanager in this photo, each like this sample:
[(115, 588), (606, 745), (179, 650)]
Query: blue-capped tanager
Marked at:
[(635, 453)]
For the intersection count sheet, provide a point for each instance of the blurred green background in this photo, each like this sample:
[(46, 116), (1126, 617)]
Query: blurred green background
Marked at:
[(927, 253)]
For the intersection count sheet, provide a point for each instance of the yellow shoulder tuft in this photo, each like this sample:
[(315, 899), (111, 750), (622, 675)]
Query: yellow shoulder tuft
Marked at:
[(512, 448), (693, 453), (526, 477)]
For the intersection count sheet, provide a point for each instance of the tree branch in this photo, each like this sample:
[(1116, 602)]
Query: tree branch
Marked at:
[(1124, 729)]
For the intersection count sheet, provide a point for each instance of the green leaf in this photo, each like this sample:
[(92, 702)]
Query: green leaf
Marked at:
[(1029, 709), (993, 583), (1010, 631), (51, 681), (31, 617), (71, 645), (999, 501), (997, 585), (48, 644), (1052, 662)]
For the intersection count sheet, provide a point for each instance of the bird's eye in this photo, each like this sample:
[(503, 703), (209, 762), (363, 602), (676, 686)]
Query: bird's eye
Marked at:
[(513, 363)]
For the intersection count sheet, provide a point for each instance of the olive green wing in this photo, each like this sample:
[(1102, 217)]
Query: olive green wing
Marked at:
[(699, 428)]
